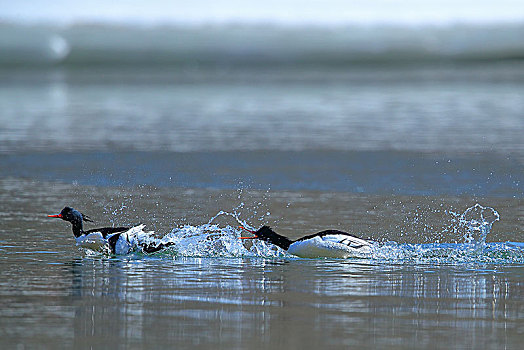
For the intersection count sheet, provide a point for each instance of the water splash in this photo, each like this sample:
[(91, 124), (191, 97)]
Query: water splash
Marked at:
[(209, 240), (213, 240), (450, 253), (478, 221), (475, 223)]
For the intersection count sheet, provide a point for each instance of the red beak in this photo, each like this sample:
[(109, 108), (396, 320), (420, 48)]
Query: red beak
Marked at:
[(245, 229), (55, 216)]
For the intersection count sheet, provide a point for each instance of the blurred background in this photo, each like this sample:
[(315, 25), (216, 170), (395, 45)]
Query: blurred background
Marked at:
[(402, 97)]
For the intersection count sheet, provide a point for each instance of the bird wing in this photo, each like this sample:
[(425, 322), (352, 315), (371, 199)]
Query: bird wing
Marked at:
[(340, 237), (106, 231)]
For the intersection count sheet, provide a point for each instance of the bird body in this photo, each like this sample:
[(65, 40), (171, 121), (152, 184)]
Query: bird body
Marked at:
[(330, 246), (94, 241), (325, 244), (116, 240), (120, 242)]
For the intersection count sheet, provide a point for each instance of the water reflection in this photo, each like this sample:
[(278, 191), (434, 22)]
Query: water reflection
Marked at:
[(243, 302)]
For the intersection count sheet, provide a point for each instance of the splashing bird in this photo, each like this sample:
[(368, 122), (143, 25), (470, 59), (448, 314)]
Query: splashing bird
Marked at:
[(325, 244), (119, 240)]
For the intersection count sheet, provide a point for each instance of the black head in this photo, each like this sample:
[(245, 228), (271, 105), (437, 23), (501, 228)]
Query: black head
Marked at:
[(71, 215), (265, 233)]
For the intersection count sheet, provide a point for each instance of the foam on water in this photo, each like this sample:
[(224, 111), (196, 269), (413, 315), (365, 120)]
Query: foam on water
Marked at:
[(450, 253), (474, 224), (213, 240), (207, 240)]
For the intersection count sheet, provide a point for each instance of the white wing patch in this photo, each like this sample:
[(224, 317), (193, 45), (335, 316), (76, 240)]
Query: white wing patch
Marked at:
[(331, 246), (127, 241), (350, 241)]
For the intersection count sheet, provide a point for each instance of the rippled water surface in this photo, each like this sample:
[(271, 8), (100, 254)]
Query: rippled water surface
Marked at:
[(407, 295), (202, 302), (399, 154)]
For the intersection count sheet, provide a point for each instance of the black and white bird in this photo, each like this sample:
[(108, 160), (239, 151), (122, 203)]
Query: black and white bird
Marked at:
[(325, 244), (119, 240)]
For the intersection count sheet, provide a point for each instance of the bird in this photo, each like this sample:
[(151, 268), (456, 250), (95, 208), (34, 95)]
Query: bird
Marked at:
[(119, 240), (325, 244)]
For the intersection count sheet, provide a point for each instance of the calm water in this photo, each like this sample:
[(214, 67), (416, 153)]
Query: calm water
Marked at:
[(394, 153)]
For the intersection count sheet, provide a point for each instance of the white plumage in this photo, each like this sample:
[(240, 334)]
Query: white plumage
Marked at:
[(330, 246), (325, 244)]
